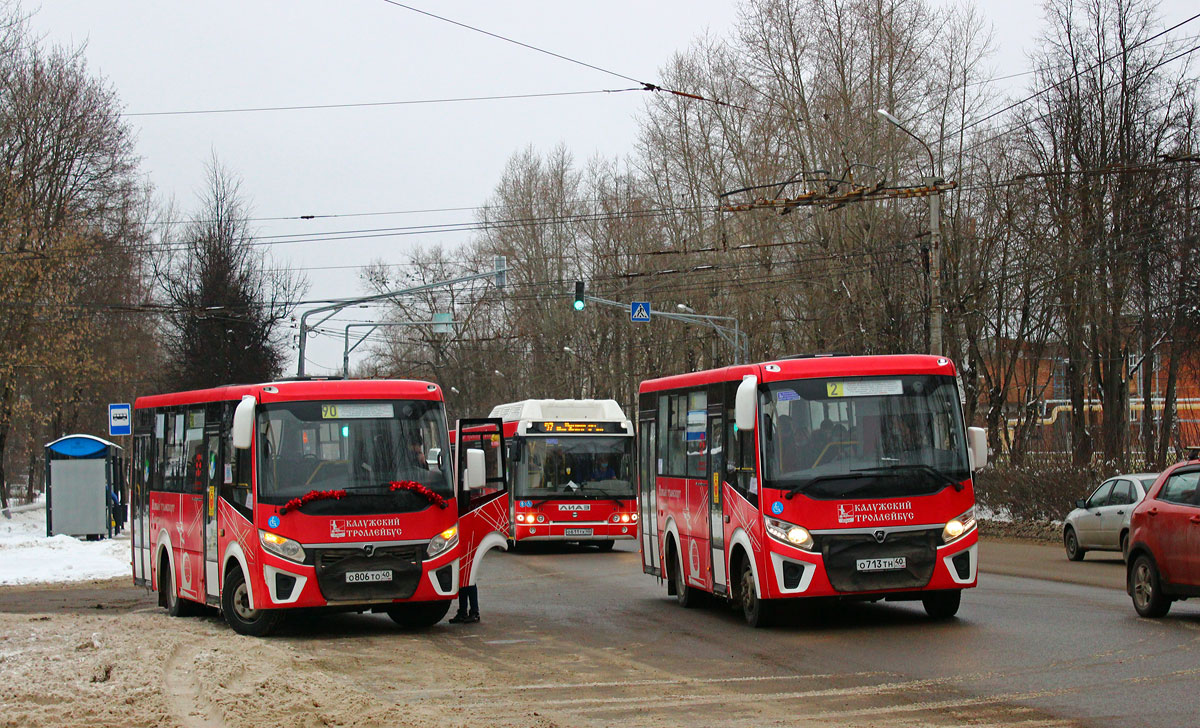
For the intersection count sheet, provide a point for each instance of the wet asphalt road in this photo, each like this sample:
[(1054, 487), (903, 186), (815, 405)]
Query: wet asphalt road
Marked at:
[(586, 638)]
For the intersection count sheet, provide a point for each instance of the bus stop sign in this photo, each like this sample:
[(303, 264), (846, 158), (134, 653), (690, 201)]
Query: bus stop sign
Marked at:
[(120, 420), (639, 312)]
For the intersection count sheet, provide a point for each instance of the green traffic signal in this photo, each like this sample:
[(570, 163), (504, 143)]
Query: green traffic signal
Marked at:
[(580, 302)]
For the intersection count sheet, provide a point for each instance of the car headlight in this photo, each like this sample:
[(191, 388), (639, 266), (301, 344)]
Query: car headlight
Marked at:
[(442, 542), (280, 546), (956, 527), (789, 533)]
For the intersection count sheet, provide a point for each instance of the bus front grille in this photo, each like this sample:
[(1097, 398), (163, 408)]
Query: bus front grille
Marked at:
[(843, 552), (404, 563)]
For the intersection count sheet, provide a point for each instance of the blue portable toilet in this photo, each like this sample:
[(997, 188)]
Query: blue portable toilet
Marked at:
[(84, 486)]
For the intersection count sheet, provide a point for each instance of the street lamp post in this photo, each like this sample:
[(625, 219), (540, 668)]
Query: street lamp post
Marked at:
[(935, 241)]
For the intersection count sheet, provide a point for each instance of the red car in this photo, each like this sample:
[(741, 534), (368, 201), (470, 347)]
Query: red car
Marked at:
[(1164, 551)]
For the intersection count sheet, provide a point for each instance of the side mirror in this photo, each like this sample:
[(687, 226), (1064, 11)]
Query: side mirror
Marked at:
[(1081, 503), (977, 447), (476, 474), (243, 423), (745, 404)]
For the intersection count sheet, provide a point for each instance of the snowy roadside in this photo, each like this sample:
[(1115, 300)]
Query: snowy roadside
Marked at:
[(27, 556)]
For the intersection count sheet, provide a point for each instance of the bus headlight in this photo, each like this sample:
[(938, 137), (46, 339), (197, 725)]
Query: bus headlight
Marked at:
[(956, 527), (789, 533), (280, 546), (442, 542)]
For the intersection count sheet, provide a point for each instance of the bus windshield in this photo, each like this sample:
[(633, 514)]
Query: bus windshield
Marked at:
[(582, 466), (359, 447), (863, 437)]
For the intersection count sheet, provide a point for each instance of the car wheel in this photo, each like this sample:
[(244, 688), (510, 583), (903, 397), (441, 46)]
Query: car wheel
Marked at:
[(756, 611), (418, 615), (942, 604), (244, 619), (1145, 587), (1071, 542), (1125, 546)]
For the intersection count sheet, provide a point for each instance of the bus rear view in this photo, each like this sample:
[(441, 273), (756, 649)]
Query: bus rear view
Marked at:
[(832, 477)]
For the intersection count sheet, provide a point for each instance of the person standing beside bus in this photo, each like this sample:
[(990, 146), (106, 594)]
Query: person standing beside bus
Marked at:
[(468, 605)]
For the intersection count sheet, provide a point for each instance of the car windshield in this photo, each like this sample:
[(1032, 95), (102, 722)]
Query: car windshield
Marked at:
[(360, 447), (863, 437), (581, 466)]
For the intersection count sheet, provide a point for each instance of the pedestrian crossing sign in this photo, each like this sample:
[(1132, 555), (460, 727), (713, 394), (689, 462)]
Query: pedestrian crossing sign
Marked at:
[(639, 312)]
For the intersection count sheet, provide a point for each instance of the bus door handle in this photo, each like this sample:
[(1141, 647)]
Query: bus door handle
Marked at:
[(727, 519)]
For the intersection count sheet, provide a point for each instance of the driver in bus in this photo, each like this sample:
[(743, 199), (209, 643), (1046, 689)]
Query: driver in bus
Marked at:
[(603, 470), (416, 452)]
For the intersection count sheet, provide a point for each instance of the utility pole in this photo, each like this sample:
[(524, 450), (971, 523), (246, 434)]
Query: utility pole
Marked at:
[(935, 267), (935, 240)]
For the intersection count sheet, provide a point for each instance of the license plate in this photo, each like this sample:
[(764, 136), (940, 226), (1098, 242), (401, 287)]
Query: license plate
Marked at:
[(362, 577), (577, 532), (899, 562)]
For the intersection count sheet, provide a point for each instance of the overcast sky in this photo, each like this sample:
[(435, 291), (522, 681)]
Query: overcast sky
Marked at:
[(220, 54)]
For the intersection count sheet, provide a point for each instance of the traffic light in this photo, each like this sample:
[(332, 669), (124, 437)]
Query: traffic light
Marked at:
[(579, 300)]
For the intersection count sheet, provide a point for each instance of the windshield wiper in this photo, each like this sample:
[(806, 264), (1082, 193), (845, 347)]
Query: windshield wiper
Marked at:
[(927, 469), (608, 495), (854, 475)]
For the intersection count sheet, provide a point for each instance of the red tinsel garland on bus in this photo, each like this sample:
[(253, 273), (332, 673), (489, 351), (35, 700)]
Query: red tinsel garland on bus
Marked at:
[(421, 490), (310, 496)]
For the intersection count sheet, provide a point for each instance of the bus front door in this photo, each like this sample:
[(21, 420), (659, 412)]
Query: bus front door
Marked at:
[(648, 520), (483, 512), (716, 518), (215, 467)]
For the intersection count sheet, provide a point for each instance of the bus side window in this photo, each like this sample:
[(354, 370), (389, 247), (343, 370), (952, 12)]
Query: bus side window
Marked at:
[(739, 466), (235, 481)]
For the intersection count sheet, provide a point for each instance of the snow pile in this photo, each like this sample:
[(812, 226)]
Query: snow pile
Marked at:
[(28, 557)]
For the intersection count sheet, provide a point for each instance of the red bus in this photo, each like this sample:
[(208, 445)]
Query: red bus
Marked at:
[(300, 494), (569, 463), (810, 477)]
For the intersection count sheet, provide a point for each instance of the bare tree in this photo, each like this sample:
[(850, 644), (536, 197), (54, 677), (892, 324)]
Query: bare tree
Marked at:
[(225, 303)]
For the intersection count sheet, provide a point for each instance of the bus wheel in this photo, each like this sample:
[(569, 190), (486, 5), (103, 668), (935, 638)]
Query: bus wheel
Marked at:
[(755, 610), (605, 545), (684, 594), (418, 615), (942, 604), (168, 595), (235, 604)]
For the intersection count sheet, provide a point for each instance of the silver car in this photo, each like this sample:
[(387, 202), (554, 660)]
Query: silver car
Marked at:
[(1100, 522)]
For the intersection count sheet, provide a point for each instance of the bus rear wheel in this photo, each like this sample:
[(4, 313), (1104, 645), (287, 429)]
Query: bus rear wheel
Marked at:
[(942, 604), (244, 619), (168, 595), (605, 545), (418, 615), (756, 611), (684, 594)]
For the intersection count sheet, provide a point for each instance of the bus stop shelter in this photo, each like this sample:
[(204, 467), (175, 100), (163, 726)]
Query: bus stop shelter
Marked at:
[(84, 483)]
